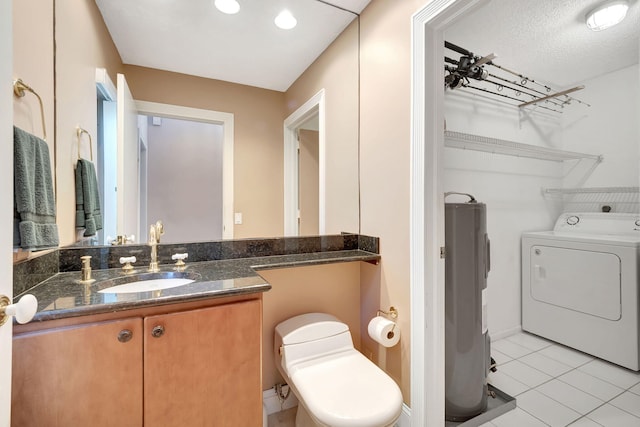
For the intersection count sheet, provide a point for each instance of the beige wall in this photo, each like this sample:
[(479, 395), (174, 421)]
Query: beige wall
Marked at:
[(82, 45), (258, 138), (33, 63), (336, 71), (330, 288), (385, 95)]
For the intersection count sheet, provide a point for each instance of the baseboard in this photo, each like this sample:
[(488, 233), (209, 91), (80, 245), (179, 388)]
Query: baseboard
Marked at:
[(405, 417), (506, 333), (271, 402)]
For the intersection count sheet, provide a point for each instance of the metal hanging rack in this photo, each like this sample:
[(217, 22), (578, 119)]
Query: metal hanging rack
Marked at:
[(472, 73), (19, 88)]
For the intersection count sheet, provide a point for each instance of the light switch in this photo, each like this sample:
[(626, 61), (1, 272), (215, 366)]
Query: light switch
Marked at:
[(237, 218)]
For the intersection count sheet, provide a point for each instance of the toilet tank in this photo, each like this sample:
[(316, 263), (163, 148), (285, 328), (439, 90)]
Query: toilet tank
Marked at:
[(310, 336)]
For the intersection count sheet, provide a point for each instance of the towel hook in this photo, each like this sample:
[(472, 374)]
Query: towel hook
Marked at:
[(18, 89), (79, 132)]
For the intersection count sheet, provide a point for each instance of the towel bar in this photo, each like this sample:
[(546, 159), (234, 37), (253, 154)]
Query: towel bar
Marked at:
[(18, 89), (79, 132)]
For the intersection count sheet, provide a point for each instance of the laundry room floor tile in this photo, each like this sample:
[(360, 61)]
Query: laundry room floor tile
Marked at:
[(635, 389), (629, 402), (529, 341), (611, 373), (546, 409), (610, 416), (519, 418), (568, 356), (560, 387), (584, 422), (569, 396), (500, 357), (507, 384), (545, 364), (525, 373), (511, 349), (589, 384)]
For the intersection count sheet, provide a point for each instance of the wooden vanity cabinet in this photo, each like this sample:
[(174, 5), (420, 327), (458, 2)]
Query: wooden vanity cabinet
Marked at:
[(78, 376), (196, 367), (203, 367)]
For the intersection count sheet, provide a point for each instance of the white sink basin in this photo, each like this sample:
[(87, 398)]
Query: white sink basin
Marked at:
[(146, 286)]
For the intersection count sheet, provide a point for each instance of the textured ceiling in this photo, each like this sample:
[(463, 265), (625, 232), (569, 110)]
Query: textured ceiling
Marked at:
[(547, 40), (193, 37)]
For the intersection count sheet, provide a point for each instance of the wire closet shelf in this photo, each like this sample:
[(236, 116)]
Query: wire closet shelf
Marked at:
[(500, 146)]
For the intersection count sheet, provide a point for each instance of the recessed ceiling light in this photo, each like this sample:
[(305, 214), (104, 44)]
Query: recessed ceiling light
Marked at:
[(607, 15), (285, 20), (227, 6)]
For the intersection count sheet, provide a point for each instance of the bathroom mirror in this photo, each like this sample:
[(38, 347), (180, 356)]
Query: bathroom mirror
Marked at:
[(85, 43)]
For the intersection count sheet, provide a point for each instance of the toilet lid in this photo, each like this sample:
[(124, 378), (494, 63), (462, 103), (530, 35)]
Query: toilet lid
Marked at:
[(348, 390)]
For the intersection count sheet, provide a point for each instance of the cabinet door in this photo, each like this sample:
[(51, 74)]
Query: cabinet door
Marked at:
[(202, 367), (89, 375)]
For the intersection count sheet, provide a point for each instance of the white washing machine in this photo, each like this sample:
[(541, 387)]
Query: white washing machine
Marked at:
[(580, 284)]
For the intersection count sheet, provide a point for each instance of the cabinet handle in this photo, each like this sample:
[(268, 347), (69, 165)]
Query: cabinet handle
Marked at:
[(157, 331), (125, 335)]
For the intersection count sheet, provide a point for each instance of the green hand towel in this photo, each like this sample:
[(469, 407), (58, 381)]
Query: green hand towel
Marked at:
[(34, 201), (88, 213)]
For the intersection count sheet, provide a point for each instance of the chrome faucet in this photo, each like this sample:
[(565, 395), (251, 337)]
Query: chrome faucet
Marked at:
[(155, 231)]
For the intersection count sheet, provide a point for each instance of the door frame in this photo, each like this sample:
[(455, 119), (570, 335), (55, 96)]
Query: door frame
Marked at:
[(427, 208), (205, 116), (315, 104), (6, 189)]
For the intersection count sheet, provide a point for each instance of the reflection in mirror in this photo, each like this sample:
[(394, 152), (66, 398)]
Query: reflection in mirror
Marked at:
[(259, 109), (308, 175), (184, 179)]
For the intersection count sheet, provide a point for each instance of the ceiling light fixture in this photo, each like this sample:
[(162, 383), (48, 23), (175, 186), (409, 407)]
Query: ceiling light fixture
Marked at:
[(607, 15), (227, 6), (285, 20)]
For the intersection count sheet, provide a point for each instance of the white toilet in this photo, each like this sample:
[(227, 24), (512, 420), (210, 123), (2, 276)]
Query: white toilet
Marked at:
[(335, 384)]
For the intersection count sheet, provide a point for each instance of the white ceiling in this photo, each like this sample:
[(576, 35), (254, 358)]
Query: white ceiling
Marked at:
[(193, 37), (547, 40)]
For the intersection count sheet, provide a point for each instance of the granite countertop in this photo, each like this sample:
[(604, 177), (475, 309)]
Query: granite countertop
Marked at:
[(63, 296)]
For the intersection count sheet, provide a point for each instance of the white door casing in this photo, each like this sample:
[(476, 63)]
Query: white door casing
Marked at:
[(427, 208), (128, 199), (6, 189), (315, 104)]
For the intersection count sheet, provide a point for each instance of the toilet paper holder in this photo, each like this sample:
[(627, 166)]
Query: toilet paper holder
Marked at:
[(392, 313)]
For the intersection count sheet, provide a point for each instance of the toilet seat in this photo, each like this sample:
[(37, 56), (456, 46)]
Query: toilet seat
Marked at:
[(334, 397)]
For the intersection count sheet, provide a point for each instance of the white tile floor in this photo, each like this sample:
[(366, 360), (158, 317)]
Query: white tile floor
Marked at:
[(557, 386), (554, 386)]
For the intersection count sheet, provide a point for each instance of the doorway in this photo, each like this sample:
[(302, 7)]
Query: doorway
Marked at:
[(183, 178), (310, 119)]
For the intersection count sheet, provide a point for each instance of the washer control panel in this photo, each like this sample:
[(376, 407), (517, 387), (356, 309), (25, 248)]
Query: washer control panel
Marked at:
[(573, 220), (598, 223)]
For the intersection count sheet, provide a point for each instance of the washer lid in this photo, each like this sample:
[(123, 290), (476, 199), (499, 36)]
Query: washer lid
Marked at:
[(309, 327), (348, 390)]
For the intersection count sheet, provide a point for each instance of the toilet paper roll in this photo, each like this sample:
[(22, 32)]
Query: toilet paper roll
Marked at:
[(384, 331)]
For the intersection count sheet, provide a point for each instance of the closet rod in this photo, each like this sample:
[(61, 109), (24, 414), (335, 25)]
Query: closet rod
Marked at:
[(18, 89)]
